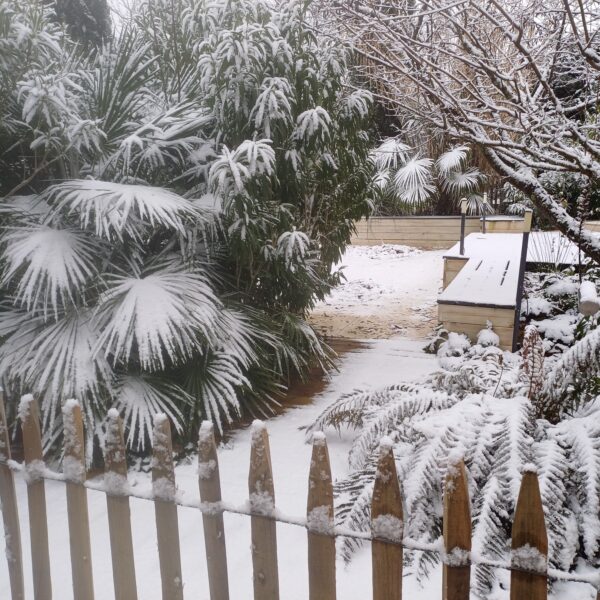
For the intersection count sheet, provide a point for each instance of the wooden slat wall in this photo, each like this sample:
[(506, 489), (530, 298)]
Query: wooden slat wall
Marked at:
[(420, 232), (470, 320), (430, 232), (452, 267)]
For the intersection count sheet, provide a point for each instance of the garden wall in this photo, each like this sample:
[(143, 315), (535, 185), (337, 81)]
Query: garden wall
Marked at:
[(420, 232), (432, 232)]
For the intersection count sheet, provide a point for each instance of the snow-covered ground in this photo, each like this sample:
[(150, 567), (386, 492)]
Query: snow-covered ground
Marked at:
[(376, 363), (390, 290)]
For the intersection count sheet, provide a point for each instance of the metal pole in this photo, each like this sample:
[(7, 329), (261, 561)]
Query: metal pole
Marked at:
[(521, 280), (484, 210), (463, 219)]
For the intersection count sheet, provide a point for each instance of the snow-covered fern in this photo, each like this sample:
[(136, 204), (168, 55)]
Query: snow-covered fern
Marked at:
[(478, 406)]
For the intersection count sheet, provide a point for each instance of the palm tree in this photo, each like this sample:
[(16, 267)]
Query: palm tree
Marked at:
[(412, 184)]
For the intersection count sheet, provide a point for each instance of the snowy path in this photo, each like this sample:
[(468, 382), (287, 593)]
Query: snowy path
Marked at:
[(390, 291)]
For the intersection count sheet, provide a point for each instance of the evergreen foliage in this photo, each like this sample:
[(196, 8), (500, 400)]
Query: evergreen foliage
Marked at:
[(173, 204)]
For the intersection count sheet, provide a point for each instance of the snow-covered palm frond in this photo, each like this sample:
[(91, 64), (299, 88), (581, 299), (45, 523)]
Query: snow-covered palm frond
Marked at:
[(313, 123), (244, 331), (25, 209), (47, 266), (382, 178), (258, 155), (116, 210), (413, 180), (390, 154), (452, 160), (215, 386), (163, 317), (170, 137), (139, 397), (293, 246), (461, 182)]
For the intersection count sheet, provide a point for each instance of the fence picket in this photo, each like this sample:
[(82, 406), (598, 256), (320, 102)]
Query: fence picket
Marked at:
[(10, 512), (321, 548), (77, 505), (387, 524), (165, 510), (457, 534), (529, 543), (119, 514), (36, 498), (264, 530), (214, 532)]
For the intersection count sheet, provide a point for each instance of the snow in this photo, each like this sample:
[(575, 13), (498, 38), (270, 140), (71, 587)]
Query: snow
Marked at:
[(490, 276), (487, 337), (388, 527), (527, 557), (560, 328), (389, 290), (377, 363), (537, 306), (589, 304)]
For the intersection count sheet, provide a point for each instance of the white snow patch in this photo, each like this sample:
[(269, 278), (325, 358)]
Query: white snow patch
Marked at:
[(388, 527)]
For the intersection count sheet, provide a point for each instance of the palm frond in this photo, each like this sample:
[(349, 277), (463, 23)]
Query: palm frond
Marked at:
[(413, 181), (162, 317), (48, 266), (115, 210), (452, 160), (139, 397)]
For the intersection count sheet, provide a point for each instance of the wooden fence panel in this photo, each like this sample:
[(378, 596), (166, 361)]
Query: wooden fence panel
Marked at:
[(529, 543), (77, 505), (119, 514), (167, 525), (264, 529), (456, 576), (214, 532), (10, 513), (321, 548), (36, 498), (387, 523)]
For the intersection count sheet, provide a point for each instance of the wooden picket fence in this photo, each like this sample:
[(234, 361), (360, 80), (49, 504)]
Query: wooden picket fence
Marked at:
[(529, 529)]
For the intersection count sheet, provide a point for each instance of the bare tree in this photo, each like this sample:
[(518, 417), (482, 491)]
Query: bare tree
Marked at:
[(516, 78)]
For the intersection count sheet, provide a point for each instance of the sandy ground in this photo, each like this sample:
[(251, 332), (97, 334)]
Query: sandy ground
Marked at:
[(380, 299)]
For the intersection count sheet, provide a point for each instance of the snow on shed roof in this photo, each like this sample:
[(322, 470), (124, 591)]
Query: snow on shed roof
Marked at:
[(491, 274)]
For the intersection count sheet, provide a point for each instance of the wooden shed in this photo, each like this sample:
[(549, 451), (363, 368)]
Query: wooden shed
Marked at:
[(480, 286)]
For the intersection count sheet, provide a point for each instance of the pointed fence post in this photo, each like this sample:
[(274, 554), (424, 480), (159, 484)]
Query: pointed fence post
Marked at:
[(387, 525), (10, 512), (119, 514), (77, 505), (457, 534), (321, 542), (165, 509), (529, 544), (264, 529), (214, 531), (36, 497)]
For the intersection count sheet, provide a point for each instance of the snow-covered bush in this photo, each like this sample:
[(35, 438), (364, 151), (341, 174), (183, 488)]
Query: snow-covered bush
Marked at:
[(478, 406), (172, 206), (407, 183)]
